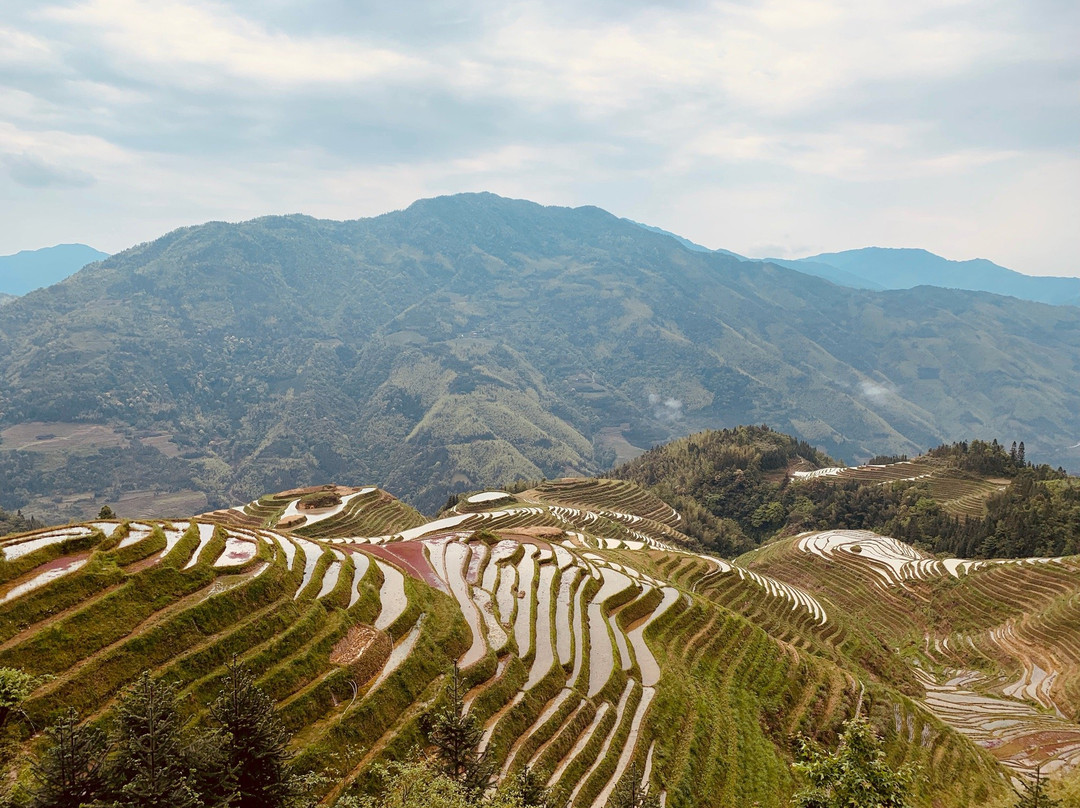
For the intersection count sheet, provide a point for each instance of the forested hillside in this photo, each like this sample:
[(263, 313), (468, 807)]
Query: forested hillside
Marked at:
[(743, 486), (472, 339)]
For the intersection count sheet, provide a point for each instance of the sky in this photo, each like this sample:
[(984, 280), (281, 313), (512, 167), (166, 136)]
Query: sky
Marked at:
[(777, 129)]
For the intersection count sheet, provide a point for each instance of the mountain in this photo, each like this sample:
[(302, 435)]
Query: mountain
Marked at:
[(595, 641), (690, 245), (33, 269), (885, 268), (6, 298), (472, 339)]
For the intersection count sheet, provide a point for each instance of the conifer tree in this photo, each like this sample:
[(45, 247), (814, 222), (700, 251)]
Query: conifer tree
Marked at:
[(150, 768), (456, 736), (71, 772), (526, 790), (255, 742), (632, 793), (1034, 794)]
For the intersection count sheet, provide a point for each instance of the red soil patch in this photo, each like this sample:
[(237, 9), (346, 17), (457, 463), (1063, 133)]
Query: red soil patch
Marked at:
[(409, 555), (138, 566), (48, 566)]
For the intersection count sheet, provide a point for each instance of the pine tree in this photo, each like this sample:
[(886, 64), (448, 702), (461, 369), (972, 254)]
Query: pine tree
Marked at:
[(526, 790), (632, 793), (71, 771), (457, 737), (1034, 794), (256, 742), (149, 769)]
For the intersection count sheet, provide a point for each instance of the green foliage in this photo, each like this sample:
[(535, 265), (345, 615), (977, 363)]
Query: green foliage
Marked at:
[(733, 492), (854, 775), (254, 742), (417, 784), (17, 523), (526, 790), (321, 499), (727, 483), (456, 736), (15, 686), (1035, 794), (630, 793), (72, 769), (150, 765)]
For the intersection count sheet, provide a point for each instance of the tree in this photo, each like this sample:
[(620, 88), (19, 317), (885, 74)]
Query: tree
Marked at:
[(255, 744), (15, 686), (419, 784), (150, 765), (526, 790), (457, 736), (855, 775), (632, 793), (106, 513), (71, 772), (1034, 794)]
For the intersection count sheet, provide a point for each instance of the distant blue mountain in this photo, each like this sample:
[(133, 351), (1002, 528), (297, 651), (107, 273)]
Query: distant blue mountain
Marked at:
[(32, 269), (830, 273), (881, 268), (690, 245), (886, 268)]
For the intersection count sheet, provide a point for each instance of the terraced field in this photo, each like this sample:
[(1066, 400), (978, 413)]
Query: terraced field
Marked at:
[(991, 642), (595, 641), (959, 493)]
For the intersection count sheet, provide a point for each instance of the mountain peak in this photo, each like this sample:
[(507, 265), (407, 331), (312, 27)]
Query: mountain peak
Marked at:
[(33, 269)]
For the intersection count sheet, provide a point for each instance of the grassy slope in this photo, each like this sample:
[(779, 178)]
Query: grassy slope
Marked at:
[(741, 669)]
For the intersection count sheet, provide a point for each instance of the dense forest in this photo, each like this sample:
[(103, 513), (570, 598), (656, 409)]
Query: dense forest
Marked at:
[(734, 488)]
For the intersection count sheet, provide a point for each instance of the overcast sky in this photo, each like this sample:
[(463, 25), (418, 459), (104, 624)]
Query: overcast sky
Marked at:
[(767, 128)]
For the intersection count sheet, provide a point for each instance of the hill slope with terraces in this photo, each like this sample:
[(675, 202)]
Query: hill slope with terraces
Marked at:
[(743, 486), (597, 640), (473, 339)]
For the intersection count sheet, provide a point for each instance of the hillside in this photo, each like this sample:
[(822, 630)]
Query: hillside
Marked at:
[(33, 269), (595, 642), (890, 268), (472, 339), (741, 487)]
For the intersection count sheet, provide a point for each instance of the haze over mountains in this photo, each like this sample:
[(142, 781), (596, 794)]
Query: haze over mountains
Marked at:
[(34, 269), (883, 268), (473, 339)]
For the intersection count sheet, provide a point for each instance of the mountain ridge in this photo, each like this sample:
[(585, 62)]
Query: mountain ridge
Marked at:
[(28, 270), (905, 268), (470, 339)]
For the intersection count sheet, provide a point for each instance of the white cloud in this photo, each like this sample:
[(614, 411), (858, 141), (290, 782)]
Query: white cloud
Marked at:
[(816, 124), (177, 37)]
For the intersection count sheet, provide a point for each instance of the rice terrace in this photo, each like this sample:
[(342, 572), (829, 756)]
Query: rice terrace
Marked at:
[(596, 641)]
